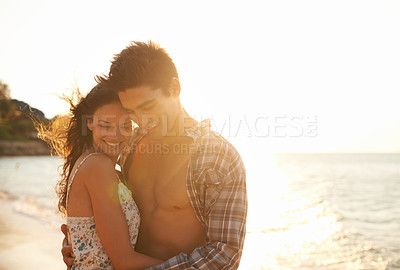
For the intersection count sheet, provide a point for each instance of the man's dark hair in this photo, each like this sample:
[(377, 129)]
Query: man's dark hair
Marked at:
[(140, 64)]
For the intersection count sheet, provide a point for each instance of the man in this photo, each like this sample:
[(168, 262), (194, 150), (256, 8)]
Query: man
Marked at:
[(187, 180)]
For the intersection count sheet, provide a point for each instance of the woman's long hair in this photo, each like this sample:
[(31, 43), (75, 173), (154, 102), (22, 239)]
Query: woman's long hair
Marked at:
[(69, 135)]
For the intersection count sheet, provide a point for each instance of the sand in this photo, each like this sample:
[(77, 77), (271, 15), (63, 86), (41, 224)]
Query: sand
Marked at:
[(28, 243)]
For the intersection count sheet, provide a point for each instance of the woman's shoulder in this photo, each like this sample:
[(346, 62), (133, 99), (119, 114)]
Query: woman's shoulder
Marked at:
[(97, 158), (95, 166)]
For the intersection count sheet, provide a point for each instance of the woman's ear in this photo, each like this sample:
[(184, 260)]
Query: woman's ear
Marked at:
[(90, 124)]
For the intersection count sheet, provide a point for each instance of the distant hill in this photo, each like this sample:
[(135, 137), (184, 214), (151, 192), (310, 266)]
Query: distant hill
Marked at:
[(26, 109)]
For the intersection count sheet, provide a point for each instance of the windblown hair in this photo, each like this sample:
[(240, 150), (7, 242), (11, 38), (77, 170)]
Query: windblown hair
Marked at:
[(140, 64), (69, 135)]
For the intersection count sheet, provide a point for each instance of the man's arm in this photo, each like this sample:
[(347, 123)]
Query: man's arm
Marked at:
[(66, 250), (224, 209)]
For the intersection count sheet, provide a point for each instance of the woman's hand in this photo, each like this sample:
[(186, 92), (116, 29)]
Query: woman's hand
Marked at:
[(66, 250)]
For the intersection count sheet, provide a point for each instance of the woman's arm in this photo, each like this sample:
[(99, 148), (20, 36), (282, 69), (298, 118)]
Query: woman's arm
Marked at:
[(102, 184)]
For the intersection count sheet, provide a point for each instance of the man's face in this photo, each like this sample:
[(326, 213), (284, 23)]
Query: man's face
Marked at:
[(151, 109)]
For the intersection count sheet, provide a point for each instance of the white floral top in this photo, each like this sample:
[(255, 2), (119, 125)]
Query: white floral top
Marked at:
[(82, 233)]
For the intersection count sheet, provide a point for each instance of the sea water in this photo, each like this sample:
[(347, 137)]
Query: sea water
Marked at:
[(324, 211), (306, 211)]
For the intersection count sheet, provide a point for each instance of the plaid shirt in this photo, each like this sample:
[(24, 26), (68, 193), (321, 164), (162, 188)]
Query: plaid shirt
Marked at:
[(216, 186)]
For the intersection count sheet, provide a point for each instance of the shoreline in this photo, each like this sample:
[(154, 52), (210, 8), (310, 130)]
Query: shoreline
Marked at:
[(24, 148)]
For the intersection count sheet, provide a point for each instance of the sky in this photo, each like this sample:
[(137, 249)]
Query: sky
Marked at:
[(273, 76)]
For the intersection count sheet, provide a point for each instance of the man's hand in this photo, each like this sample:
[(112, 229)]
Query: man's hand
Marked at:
[(66, 250)]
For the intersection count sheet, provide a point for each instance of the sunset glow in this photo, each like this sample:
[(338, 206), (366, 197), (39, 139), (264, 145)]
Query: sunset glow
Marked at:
[(337, 62)]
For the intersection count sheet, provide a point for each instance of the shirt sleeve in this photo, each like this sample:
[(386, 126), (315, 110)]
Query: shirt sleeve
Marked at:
[(222, 204)]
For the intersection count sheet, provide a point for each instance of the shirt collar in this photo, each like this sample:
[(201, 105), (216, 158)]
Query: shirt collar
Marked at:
[(202, 128)]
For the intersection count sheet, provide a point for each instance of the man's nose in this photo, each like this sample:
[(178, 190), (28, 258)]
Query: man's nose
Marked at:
[(135, 118), (150, 121)]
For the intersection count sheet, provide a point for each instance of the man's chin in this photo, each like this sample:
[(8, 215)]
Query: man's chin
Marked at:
[(154, 135), (112, 152), (113, 155)]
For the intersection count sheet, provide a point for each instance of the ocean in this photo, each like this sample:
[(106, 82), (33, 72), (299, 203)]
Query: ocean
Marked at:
[(306, 211)]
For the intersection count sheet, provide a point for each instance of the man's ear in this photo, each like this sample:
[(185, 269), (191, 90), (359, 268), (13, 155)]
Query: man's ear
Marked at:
[(175, 87)]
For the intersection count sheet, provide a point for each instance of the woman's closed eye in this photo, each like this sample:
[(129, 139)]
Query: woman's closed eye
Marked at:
[(106, 127)]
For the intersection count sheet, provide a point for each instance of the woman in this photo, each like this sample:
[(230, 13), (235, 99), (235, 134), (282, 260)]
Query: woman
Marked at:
[(102, 218)]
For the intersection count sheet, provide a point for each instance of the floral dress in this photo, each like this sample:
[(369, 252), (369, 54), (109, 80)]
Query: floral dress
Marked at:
[(82, 233)]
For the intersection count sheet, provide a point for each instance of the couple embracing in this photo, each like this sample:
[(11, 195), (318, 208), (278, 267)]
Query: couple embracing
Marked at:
[(144, 185)]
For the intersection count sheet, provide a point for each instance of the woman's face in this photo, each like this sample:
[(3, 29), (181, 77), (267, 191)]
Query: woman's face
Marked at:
[(112, 129)]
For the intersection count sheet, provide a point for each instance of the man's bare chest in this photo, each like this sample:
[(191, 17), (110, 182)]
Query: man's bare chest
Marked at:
[(158, 180)]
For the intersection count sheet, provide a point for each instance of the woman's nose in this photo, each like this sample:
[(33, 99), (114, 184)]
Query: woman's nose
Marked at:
[(111, 132)]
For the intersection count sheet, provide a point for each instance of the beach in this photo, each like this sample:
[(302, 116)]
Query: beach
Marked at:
[(29, 225), (27, 242)]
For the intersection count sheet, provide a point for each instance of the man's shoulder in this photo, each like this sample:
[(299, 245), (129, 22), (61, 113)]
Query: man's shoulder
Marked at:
[(212, 151), (212, 138), (214, 143)]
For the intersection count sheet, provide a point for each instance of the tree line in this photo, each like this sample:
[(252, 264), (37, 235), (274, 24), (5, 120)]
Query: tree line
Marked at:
[(17, 118)]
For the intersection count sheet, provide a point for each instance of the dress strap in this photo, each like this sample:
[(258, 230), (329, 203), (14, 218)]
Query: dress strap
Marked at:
[(71, 179)]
